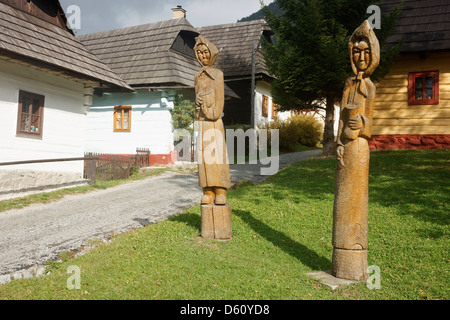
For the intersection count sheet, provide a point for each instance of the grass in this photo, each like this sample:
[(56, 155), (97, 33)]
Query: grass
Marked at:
[(281, 230)]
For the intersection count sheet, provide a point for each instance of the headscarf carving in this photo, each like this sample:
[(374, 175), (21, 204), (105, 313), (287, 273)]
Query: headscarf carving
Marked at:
[(212, 49), (366, 33)]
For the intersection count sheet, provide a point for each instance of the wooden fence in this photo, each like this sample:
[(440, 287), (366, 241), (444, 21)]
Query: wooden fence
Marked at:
[(142, 158), (106, 167)]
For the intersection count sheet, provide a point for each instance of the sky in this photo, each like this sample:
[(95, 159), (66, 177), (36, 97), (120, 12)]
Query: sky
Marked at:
[(103, 15)]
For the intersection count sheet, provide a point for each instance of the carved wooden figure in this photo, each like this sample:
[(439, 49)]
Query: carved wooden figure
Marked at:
[(213, 165), (350, 214)]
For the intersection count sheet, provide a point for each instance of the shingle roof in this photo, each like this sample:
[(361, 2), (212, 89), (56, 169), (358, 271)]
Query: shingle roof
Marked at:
[(141, 54), (423, 25), (235, 42), (28, 37)]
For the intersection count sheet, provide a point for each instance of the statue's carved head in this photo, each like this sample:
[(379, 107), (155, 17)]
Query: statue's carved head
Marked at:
[(364, 50), (206, 52)]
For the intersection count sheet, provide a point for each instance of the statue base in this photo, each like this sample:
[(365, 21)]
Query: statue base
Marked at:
[(326, 278), (350, 264), (216, 222)]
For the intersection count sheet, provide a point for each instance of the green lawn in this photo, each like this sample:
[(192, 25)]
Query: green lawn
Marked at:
[(282, 230)]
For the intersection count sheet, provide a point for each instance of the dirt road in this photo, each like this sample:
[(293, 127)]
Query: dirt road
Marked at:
[(33, 235)]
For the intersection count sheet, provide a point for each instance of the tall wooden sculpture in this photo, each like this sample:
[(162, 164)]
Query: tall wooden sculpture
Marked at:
[(213, 165), (350, 214)]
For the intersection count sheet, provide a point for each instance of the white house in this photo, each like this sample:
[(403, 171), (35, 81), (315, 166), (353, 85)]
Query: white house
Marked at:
[(157, 60), (119, 123), (47, 78)]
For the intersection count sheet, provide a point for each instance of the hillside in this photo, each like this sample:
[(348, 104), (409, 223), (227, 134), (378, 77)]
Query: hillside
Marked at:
[(260, 14)]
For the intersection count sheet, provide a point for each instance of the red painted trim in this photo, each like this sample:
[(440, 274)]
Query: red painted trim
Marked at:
[(158, 159), (412, 88), (410, 141), (162, 159)]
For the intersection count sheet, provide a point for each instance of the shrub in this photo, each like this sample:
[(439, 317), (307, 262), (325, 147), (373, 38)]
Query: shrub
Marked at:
[(309, 130), (299, 130)]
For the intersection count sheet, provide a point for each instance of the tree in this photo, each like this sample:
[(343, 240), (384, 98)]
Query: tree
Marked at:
[(309, 57), (183, 113)]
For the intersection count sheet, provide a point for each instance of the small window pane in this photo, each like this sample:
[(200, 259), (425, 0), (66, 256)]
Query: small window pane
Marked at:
[(35, 124), (419, 83), (36, 106), (429, 93), (26, 105), (429, 82), (25, 122), (419, 95), (35, 117)]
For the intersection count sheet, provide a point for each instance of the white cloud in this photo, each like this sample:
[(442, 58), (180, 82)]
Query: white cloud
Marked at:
[(210, 12), (101, 15)]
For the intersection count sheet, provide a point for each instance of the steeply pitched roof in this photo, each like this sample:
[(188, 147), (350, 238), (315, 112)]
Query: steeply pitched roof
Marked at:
[(235, 42), (423, 25), (25, 36), (142, 54)]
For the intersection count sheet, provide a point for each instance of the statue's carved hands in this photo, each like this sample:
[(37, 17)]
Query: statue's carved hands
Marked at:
[(198, 102), (356, 123), (340, 153), (198, 108), (340, 156)]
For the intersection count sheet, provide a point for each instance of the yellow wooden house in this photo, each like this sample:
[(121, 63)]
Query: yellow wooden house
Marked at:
[(412, 107)]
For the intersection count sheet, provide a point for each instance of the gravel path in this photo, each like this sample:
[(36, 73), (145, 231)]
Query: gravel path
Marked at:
[(33, 235)]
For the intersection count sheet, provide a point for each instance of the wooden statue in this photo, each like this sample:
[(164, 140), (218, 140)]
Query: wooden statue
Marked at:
[(212, 158), (350, 214)]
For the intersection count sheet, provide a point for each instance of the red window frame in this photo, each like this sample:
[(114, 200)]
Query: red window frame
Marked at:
[(414, 86)]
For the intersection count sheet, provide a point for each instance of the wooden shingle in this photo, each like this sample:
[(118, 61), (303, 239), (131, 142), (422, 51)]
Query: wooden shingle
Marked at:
[(235, 43), (24, 36), (142, 55), (423, 25)]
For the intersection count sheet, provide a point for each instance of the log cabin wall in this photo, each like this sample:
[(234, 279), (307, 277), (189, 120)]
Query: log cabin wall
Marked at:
[(399, 125)]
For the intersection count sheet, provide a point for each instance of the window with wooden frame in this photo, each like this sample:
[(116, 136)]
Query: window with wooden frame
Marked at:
[(274, 111), (265, 106), (423, 88), (122, 119), (31, 115)]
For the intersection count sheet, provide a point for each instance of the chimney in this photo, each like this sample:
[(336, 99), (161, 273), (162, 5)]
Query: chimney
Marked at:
[(179, 12)]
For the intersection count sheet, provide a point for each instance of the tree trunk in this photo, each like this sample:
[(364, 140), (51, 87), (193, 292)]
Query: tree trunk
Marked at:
[(328, 135)]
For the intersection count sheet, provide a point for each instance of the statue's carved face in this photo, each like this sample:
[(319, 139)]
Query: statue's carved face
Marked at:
[(361, 55), (204, 55)]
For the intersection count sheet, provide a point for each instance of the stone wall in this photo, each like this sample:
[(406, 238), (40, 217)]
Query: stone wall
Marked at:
[(410, 141), (16, 182)]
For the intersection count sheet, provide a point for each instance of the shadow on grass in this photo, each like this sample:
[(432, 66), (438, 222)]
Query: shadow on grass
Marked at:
[(191, 219), (299, 251), (414, 182)]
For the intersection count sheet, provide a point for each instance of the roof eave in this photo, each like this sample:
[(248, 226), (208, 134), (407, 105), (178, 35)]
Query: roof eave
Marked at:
[(66, 73)]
